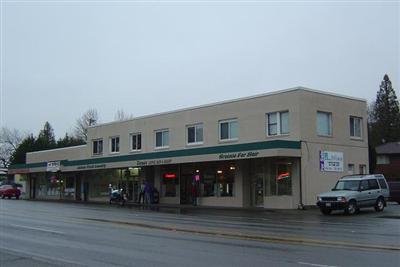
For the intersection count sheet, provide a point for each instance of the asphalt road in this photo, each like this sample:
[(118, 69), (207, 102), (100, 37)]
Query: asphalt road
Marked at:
[(36, 233)]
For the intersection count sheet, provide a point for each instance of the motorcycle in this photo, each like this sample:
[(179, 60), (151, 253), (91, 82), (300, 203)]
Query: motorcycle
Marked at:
[(118, 196)]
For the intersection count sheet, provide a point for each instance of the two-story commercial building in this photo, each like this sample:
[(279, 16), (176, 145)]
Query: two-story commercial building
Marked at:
[(276, 150)]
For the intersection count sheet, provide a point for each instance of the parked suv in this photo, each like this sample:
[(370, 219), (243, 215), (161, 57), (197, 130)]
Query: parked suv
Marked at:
[(353, 192)]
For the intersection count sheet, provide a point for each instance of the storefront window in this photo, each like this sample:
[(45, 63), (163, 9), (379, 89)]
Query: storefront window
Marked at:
[(225, 178), (48, 185), (280, 179), (69, 191), (169, 180), (208, 185)]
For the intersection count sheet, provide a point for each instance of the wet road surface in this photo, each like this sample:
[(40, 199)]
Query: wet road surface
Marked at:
[(67, 234)]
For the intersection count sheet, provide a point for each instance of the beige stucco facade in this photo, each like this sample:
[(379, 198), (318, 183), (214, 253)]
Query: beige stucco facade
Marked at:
[(301, 146)]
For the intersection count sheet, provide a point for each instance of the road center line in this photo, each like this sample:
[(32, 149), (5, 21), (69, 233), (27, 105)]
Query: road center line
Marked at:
[(38, 229), (315, 264)]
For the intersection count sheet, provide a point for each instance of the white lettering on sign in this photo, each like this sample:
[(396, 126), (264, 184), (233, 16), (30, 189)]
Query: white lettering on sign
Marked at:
[(53, 166), (238, 155), (330, 161)]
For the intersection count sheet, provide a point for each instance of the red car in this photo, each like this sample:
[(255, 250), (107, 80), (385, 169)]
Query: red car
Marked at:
[(9, 191)]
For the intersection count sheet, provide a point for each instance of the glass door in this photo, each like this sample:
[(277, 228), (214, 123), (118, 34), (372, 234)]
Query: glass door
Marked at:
[(257, 183), (258, 191)]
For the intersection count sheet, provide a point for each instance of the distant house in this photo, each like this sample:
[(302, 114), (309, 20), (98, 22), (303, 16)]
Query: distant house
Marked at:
[(388, 160)]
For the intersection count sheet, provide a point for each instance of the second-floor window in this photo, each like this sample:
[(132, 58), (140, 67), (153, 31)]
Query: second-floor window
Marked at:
[(114, 144), (228, 130), (324, 123), (355, 127), (195, 134), (278, 123), (98, 147), (162, 138), (136, 141)]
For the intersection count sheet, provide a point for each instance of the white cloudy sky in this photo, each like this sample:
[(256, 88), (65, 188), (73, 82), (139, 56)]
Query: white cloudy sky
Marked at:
[(60, 58)]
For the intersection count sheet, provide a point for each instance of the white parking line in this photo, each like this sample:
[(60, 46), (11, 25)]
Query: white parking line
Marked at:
[(315, 264), (38, 229)]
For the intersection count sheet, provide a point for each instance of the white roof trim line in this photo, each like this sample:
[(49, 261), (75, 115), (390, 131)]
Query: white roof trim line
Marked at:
[(297, 88), (56, 149)]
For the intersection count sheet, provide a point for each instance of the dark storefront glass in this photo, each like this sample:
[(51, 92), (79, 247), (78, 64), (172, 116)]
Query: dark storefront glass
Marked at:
[(280, 178), (169, 180)]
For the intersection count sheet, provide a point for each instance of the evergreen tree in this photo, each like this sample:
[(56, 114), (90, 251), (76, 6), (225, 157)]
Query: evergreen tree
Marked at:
[(46, 138), (69, 141), (384, 118), (27, 145)]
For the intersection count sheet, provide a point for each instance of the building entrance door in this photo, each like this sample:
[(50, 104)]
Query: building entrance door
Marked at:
[(186, 189), (257, 189)]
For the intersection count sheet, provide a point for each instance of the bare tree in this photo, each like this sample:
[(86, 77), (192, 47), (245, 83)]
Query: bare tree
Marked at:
[(89, 118), (121, 115), (9, 141)]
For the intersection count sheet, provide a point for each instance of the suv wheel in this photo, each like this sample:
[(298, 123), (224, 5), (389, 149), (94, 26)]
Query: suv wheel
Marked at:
[(351, 208), (380, 204), (326, 211), (3, 196)]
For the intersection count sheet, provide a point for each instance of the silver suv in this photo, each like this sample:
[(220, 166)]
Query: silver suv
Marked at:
[(353, 192)]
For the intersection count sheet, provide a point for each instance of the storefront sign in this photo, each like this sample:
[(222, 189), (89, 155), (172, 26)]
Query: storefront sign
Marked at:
[(238, 155), (53, 166), (153, 162), (330, 161), (170, 176), (91, 166)]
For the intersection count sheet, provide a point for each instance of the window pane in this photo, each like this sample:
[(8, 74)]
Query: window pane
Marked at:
[(357, 127), (324, 123), (224, 131), (272, 124), (112, 145), (134, 144), (351, 126), (272, 118), (382, 184), (199, 133), (272, 129), (165, 137), (139, 142), (284, 122), (158, 139), (117, 144), (95, 151), (233, 129), (191, 133), (100, 146)]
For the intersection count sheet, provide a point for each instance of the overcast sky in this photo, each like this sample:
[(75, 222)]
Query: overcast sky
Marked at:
[(60, 58)]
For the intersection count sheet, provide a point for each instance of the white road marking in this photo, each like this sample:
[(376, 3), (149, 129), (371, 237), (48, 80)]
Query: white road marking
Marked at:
[(315, 264), (38, 229)]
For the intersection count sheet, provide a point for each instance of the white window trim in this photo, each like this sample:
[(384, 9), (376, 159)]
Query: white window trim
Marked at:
[(110, 144), (219, 130), (361, 128), (278, 124), (94, 140), (155, 139), (331, 123), (131, 144), (187, 135)]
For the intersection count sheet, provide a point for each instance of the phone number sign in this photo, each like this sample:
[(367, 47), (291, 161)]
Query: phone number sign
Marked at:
[(330, 161)]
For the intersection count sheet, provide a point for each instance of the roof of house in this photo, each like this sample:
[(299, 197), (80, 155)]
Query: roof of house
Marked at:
[(388, 148)]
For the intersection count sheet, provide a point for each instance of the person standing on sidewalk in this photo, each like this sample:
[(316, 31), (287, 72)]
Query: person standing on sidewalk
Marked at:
[(194, 194), (147, 193), (141, 193)]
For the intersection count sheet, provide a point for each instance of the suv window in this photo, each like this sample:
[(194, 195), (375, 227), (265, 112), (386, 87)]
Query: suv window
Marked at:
[(382, 183), (373, 184), (364, 185)]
